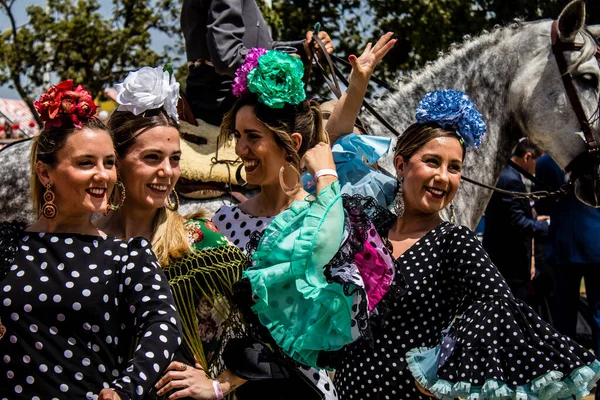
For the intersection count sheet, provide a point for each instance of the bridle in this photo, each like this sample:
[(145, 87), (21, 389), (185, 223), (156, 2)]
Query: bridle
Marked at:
[(590, 156), (592, 152)]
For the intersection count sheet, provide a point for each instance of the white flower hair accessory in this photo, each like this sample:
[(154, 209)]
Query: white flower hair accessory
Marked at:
[(146, 89)]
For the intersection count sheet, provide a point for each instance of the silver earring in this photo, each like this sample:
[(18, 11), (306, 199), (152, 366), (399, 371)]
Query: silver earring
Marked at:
[(452, 216), (399, 200)]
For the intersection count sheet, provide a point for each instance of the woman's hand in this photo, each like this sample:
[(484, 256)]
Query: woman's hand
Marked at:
[(363, 66), (324, 36), (188, 381), (424, 391), (108, 394), (318, 158)]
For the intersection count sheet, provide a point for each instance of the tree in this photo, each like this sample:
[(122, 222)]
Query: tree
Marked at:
[(423, 28), (73, 40)]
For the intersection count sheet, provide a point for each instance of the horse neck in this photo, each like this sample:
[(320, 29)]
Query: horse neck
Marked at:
[(483, 68)]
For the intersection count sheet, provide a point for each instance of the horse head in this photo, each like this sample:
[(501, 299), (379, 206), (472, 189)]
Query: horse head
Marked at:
[(540, 102)]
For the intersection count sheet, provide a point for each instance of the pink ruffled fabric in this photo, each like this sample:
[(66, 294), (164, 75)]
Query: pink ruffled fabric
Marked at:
[(240, 82), (375, 266)]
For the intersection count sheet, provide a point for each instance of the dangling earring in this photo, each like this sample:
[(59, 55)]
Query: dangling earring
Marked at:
[(290, 191), (399, 200), (173, 205), (112, 206), (452, 216), (49, 209)]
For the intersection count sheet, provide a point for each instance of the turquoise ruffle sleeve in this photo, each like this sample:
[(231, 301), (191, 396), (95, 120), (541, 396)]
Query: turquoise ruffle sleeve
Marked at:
[(304, 313), (352, 155)]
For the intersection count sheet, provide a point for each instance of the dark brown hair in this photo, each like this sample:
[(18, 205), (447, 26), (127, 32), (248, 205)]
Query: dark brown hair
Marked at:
[(418, 135), (525, 146), (45, 148), (304, 118)]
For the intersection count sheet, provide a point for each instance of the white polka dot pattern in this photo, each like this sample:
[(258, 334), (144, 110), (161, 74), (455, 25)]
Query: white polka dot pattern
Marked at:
[(67, 335), (448, 274)]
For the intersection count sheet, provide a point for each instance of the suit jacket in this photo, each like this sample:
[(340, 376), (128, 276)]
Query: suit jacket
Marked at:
[(510, 227), (220, 32), (574, 226)]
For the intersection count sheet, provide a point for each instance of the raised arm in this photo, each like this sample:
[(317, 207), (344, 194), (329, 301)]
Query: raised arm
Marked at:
[(344, 114)]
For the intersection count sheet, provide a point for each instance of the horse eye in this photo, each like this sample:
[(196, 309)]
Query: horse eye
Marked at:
[(590, 80)]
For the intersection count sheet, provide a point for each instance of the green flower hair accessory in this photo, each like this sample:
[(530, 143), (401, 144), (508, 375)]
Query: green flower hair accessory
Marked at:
[(277, 79)]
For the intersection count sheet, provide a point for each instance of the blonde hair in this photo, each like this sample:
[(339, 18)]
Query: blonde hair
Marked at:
[(304, 118), (169, 236), (45, 148)]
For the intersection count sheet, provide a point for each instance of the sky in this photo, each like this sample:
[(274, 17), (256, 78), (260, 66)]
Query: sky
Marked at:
[(158, 41)]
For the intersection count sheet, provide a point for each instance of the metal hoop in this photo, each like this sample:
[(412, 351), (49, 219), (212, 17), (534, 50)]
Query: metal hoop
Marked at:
[(290, 191), (173, 205)]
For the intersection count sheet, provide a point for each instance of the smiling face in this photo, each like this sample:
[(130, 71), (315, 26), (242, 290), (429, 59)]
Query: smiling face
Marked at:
[(431, 175), (150, 168), (256, 146), (84, 173)]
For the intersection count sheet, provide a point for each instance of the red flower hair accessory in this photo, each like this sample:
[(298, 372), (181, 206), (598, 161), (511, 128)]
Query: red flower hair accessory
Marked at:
[(65, 104)]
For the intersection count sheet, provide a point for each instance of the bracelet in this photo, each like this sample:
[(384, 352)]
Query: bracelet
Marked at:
[(324, 172), (218, 389)]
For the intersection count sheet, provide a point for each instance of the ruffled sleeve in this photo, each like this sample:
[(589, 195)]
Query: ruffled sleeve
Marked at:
[(498, 348), (315, 270), (353, 155)]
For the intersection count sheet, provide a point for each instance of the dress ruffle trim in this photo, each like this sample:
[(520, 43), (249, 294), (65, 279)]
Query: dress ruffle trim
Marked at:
[(518, 356), (422, 363), (286, 289)]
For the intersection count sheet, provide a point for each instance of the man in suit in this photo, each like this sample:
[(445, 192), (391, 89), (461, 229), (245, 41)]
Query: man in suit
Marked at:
[(510, 225), (218, 35)]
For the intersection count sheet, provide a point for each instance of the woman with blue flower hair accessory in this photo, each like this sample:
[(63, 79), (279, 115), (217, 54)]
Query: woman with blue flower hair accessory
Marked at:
[(458, 332)]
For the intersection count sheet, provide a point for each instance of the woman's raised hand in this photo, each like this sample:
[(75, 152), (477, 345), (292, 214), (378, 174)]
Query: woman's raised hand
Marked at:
[(189, 381), (363, 66), (318, 158)]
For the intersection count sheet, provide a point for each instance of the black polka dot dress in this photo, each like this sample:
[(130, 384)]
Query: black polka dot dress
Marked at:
[(242, 229), (496, 347), (74, 306)]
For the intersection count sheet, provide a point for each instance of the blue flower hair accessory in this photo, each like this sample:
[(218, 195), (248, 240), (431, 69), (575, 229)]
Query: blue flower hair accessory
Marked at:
[(454, 110)]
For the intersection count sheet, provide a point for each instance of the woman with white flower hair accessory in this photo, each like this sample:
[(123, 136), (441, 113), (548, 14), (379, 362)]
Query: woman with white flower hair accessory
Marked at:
[(200, 263), (458, 332), (73, 300)]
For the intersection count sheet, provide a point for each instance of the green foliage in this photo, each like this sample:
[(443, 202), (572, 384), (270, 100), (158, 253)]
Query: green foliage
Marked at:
[(73, 39), (423, 27)]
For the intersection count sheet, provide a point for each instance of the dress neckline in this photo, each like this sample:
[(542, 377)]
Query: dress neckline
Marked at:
[(439, 226)]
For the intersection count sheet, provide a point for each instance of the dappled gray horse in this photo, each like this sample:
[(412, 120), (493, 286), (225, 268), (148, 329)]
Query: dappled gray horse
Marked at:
[(512, 76)]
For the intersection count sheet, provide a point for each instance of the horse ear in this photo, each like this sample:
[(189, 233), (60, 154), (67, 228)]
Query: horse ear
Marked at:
[(571, 20), (595, 31)]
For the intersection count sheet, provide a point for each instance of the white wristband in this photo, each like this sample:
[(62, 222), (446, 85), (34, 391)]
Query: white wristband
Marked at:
[(324, 172)]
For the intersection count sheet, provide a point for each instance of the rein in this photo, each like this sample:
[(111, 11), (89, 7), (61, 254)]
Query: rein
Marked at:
[(590, 155)]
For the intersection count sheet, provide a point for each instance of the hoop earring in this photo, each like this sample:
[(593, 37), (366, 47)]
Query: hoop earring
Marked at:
[(49, 209), (173, 205), (399, 200), (238, 176), (290, 191), (452, 216), (112, 206)]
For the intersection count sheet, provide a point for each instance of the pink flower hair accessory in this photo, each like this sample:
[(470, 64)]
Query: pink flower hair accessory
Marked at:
[(240, 82)]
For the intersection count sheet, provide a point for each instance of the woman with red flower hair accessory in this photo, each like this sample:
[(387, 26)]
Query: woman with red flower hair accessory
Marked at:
[(201, 265), (63, 282)]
